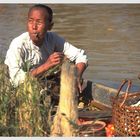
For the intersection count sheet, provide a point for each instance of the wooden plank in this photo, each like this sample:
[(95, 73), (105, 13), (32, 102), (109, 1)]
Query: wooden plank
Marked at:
[(100, 105), (95, 114)]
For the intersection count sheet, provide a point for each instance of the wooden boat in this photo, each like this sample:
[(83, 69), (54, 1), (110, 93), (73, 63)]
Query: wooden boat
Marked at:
[(103, 94), (100, 96)]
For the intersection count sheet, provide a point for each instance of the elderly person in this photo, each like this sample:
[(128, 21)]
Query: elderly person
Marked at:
[(40, 49)]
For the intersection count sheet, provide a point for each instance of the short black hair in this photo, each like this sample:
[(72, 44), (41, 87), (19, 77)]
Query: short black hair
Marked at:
[(47, 8)]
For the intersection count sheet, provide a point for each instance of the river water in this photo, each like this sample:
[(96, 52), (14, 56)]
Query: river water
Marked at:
[(110, 34)]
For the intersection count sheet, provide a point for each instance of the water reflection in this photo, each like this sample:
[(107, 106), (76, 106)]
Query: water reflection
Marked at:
[(109, 34)]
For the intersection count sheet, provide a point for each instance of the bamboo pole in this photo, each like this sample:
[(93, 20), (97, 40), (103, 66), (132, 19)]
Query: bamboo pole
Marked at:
[(64, 123)]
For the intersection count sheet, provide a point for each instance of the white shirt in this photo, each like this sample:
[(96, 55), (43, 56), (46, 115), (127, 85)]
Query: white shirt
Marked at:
[(23, 51)]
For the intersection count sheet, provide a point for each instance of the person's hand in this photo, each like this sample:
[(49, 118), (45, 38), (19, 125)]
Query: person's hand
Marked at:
[(55, 58), (79, 85)]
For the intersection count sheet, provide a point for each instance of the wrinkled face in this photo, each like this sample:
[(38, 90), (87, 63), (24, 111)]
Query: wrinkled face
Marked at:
[(37, 25)]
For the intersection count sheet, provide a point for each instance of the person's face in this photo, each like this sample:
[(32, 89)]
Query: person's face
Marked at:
[(37, 25)]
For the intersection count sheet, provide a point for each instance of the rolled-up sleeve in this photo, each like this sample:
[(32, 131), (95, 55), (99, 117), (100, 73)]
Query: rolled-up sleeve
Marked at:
[(75, 54), (14, 62)]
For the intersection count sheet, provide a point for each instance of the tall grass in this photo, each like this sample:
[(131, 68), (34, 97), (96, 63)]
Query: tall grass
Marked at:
[(23, 110), (5, 96)]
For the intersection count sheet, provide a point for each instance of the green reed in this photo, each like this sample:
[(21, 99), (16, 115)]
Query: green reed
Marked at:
[(24, 111)]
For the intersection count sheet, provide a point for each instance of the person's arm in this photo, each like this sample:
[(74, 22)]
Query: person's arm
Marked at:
[(14, 61), (80, 69), (73, 54), (81, 66), (53, 60), (80, 59)]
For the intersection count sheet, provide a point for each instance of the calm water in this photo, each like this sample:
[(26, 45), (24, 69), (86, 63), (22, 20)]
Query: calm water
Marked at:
[(110, 34)]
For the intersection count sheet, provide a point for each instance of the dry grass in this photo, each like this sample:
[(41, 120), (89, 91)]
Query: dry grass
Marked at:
[(24, 111)]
